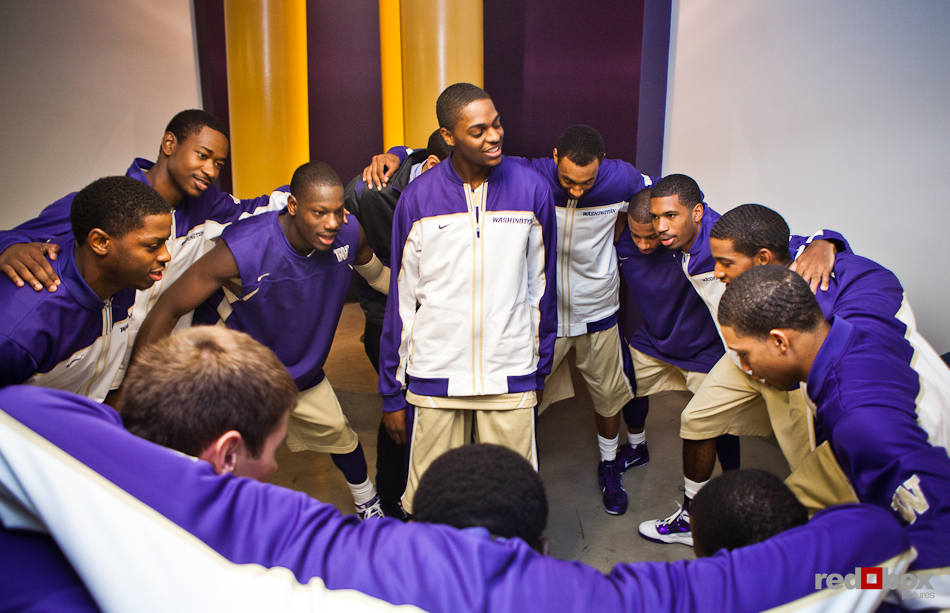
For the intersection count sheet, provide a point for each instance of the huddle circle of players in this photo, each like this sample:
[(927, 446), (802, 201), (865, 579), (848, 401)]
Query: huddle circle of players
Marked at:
[(478, 273)]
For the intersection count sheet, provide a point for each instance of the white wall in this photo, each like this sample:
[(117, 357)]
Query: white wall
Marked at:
[(836, 113), (85, 86)]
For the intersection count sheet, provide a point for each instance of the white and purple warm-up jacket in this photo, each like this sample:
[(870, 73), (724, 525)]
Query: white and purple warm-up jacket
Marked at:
[(588, 282), (471, 306)]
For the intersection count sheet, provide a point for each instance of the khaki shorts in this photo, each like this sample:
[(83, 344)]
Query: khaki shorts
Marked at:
[(600, 362), (819, 482), (435, 431), (730, 401), (655, 376), (317, 423)]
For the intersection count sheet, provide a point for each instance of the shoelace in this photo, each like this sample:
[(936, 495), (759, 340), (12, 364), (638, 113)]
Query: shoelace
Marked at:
[(672, 518)]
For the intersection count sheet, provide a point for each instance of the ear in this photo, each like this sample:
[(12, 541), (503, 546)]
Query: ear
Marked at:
[(762, 257), (431, 161), (99, 241), (291, 205), (449, 139), (169, 143), (698, 212), (545, 546), (555, 156), (780, 340), (223, 452)]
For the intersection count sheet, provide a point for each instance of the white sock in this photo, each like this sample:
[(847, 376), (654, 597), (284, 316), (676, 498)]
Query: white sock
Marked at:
[(608, 448), (693, 487), (636, 439), (363, 492)]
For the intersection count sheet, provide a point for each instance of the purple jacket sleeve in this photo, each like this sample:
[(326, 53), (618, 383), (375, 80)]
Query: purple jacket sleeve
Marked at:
[(435, 568), (797, 243), (401, 152), (547, 329), (390, 388)]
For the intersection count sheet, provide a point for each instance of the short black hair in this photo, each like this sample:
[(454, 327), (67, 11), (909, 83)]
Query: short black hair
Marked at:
[(186, 390), (581, 144), (437, 146), (191, 121), (752, 227), (484, 485), (454, 98), (115, 205), (742, 507), (767, 297), (683, 186), (639, 209), (311, 175)]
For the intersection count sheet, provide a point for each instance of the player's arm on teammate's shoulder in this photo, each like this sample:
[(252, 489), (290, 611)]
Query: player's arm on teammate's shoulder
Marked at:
[(24, 249), (370, 267), (817, 259), (383, 165), (27, 264), (816, 263), (196, 285)]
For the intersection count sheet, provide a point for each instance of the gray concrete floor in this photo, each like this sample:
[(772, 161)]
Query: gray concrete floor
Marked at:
[(578, 527)]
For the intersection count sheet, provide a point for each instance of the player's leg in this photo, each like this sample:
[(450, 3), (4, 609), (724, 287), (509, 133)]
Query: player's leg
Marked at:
[(600, 362), (317, 423), (650, 376), (558, 384), (433, 432), (390, 455), (511, 428), (726, 402)]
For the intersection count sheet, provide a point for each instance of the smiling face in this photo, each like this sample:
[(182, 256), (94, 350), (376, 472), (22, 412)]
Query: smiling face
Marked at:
[(138, 258), (315, 218), (196, 162), (576, 180), (476, 138), (676, 223), (767, 358), (644, 236)]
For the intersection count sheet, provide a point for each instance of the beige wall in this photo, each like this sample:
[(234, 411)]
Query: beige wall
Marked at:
[(835, 113), (86, 86)]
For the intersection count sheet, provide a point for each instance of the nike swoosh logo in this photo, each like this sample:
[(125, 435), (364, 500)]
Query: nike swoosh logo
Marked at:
[(266, 274), (626, 258), (442, 226)]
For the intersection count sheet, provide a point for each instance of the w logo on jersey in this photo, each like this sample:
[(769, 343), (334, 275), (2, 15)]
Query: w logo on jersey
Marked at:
[(909, 500), (342, 252)]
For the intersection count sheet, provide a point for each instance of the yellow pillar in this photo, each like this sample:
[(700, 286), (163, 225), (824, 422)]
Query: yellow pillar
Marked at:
[(390, 64), (267, 91), (442, 44)]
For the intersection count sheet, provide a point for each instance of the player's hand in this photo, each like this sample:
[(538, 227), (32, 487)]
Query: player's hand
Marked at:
[(26, 264), (816, 263), (395, 424), (380, 170)]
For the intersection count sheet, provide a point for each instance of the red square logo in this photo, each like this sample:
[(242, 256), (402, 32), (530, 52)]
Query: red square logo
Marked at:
[(872, 578)]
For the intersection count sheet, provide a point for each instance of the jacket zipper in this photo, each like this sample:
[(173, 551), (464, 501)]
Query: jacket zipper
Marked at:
[(104, 356)]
